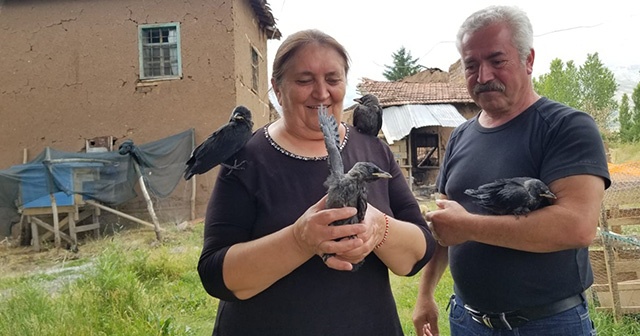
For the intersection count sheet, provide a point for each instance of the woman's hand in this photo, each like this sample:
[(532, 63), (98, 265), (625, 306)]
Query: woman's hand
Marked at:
[(314, 235), (375, 224)]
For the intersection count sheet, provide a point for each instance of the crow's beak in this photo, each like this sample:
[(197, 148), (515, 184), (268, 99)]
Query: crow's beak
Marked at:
[(237, 116), (382, 175), (548, 194), (358, 100)]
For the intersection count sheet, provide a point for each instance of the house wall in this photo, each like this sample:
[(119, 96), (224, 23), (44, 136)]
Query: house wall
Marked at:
[(247, 35), (468, 111), (70, 72)]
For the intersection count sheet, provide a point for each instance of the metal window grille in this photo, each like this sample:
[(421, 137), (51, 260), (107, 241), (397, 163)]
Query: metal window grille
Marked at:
[(160, 51), (255, 61)]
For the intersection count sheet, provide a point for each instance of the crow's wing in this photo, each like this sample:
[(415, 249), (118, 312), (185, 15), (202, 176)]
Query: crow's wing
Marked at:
[(361, 205), (500, 197), (513, 198), (218, 148)]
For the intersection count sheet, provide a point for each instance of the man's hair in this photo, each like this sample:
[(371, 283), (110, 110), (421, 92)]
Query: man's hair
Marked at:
[(515, 18)]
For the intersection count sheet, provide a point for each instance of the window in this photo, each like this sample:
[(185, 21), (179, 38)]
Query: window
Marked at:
[(255, 62), (425, 150), (160, 51)]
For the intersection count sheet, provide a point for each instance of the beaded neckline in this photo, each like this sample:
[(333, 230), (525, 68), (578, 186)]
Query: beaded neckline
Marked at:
[(300, 157)]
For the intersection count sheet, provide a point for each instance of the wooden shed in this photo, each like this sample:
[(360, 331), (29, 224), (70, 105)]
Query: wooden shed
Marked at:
[(419, 114)]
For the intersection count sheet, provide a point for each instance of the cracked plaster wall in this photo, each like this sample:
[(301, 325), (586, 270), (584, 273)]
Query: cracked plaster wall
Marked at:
[(69, 72)]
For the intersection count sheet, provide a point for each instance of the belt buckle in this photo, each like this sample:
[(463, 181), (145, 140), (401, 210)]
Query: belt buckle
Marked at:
[(479, 317), (487, 321)]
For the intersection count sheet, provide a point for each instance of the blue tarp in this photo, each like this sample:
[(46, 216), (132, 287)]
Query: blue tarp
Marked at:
[(107, 177)]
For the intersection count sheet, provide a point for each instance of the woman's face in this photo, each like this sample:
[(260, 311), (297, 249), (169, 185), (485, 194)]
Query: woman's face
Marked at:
[(314, 76)]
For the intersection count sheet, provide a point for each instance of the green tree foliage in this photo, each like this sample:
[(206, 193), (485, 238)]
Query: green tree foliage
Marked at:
[(560, 84), (635, 115), (624, 117), (403, 65), (598, 90), (590, 88)]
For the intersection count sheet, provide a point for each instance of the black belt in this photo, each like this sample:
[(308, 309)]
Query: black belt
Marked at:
[(517, 318)]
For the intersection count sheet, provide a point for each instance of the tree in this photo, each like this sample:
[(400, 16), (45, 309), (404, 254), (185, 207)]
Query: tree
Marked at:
[(591, 88), (624, 117), (560, 84), (403, 65), (598, 88), (635, 116)]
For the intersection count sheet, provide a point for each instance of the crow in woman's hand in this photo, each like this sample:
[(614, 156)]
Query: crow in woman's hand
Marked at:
[(345, 190)]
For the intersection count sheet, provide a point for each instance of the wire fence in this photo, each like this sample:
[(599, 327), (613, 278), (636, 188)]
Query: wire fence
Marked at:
[(615, 253)]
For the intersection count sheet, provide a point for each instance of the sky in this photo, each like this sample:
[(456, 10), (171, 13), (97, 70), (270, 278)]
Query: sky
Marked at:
[(372, 31)]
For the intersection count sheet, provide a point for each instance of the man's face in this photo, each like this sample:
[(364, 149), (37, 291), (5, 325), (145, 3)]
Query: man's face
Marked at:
[(496, 78)]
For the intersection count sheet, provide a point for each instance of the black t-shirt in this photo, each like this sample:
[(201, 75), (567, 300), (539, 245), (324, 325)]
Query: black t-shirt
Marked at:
[(547, 141)]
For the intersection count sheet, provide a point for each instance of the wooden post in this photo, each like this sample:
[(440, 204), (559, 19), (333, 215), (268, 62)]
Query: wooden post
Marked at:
[(72, 227), (34, 234), (56, 220), (23, 229), (410, 161), (609, 259), (193, 182), (96, 220), (193, 197), (54, 205), (147, 198)]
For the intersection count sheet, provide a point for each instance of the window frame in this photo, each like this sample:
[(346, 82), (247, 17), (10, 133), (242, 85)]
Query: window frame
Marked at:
[(255, 68), (142, 47)]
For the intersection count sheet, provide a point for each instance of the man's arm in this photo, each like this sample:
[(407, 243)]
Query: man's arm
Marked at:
[(570, 222), (426, 309)]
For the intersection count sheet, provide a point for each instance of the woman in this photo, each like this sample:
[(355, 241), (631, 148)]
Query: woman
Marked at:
[(267, 227)]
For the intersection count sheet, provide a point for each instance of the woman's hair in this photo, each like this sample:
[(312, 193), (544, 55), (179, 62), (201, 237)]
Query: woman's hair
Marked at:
[(295, 42), (513, 17)]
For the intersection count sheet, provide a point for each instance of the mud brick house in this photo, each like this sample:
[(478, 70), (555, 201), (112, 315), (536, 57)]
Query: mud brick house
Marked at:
[(73, 71)]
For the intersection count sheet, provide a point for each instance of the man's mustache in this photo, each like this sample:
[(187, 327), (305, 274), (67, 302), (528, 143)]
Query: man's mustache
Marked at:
[(489, 86)]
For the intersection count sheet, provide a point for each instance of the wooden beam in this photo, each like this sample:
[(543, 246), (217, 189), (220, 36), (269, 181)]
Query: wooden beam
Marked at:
[(121, 214), (50, 228)]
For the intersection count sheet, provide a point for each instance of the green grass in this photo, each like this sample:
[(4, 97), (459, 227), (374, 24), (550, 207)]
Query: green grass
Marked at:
[(405, 290), (624, 152), (125, 289), (127, 285)]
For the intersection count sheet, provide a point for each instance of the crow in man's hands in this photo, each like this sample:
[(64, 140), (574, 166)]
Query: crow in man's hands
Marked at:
[(512, 196)]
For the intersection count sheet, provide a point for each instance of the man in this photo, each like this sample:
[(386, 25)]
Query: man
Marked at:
[(527, 273)]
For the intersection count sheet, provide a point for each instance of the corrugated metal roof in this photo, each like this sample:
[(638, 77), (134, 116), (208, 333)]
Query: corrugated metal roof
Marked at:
[(397, 121)]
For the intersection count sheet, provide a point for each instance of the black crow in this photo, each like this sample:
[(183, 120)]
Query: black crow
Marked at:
[(367, 116), (222, 144), (512, 196), (345, 189)]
